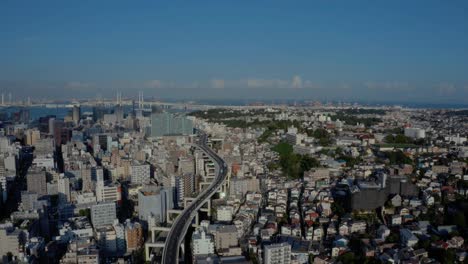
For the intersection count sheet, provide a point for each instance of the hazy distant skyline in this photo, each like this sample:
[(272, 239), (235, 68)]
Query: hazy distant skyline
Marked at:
[(408, 51)]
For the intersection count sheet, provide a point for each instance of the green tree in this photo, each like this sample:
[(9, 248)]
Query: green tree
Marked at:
[(347, 257), (459, 219), (85, 212)]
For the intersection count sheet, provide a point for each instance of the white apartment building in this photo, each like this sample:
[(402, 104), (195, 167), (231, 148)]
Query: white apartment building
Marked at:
[(224, 213), (202, 243), (140, 173), (277, 254)]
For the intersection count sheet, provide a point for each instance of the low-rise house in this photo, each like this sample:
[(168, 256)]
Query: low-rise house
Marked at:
[(407, 238)]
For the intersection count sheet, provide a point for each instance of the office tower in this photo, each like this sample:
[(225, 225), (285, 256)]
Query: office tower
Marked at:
[(61, 133), (184, 187), (32, 135), (119, 113), (76, 114), (24, 116), (153, 202), (63, 186), (163, 124), (51, 125), (103, 214), (277, 253), (102, 141), (37, 182), (99, 112)]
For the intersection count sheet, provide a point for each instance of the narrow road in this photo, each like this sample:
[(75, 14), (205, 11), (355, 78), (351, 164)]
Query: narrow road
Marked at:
[(179, 228)]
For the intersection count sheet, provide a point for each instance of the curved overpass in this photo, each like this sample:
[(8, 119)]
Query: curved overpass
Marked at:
[(179, 228)]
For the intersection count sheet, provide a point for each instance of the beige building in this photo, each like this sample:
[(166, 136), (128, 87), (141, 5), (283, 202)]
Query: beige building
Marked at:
[(9, 241), (226, 237), (133, 235), (32, 136)]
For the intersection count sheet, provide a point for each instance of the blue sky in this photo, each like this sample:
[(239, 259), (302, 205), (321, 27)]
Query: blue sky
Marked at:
[(367, 50)]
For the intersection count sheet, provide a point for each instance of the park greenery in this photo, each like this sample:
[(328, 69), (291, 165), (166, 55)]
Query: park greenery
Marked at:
[(352, 119), (401, 139), (294, 165), (397, 157)]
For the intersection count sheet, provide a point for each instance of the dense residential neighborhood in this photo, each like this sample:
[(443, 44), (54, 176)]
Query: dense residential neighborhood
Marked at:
[(311, 183)]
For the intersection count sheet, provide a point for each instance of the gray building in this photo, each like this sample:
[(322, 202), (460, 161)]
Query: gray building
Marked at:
[(140, 173), (10, 241), (76, 114), (369, 195), (153, 202), (37, 182), (163, 124), (103, 214), (28, 199)]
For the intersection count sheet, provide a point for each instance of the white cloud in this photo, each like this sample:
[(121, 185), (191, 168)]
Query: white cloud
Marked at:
[(217, 83), (153, 84), (296, 82)]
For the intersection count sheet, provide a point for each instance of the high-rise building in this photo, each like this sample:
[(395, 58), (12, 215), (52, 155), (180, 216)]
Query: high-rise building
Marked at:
[(163, 124), (51, 125), (99, 112), (102, 141), (32, 136), (37, 182), (277, 254), (103, 214), (108, 192), (44, 123), (61, 133), (76, 114), (119, 113), (153, 202), (120, 236), (63, 187), (184, 187), (133, 235), (97, 174)]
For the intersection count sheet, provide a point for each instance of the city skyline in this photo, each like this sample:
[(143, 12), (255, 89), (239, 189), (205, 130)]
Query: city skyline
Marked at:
[(398, 51)]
